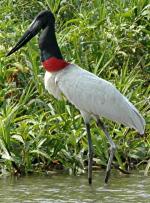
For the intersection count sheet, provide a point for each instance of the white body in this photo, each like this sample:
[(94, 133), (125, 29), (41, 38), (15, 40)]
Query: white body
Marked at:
[(93, 96)]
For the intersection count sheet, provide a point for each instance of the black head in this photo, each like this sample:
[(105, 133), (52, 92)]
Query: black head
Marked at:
[(45, 18), (42, 20)]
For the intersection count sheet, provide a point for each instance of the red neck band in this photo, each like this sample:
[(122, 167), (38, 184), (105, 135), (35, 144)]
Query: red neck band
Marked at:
[(53, 64)]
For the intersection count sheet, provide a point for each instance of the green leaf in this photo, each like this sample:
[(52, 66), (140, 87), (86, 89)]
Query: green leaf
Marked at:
[(18, 138)]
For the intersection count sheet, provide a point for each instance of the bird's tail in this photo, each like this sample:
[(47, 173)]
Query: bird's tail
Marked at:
[(138, 122)]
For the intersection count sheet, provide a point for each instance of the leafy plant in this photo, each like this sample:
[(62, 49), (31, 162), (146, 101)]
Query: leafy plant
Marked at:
[(108, 38)]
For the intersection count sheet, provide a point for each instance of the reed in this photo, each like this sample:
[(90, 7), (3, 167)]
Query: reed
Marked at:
[(108, 38)]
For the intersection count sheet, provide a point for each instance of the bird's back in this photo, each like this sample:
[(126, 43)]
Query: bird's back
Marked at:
[(98, 97)]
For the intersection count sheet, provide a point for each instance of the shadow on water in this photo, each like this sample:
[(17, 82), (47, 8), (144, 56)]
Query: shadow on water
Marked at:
[(70, 189)]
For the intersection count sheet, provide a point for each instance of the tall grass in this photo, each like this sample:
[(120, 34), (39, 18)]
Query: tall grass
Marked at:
[(108, 38)]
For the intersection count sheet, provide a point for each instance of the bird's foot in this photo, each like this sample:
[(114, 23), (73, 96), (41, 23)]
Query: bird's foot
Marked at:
[(90, 181), (107, 176)]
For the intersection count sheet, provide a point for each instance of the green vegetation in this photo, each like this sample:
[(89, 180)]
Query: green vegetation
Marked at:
[(108, 38)]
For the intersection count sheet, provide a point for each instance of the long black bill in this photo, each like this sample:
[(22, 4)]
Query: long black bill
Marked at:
[(28, 35)]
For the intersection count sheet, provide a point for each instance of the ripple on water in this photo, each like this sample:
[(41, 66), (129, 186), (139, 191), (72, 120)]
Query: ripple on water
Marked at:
[(71, 189)]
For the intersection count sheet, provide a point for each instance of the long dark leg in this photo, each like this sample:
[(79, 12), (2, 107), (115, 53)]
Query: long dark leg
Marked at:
[(112, 149), (90, 153)]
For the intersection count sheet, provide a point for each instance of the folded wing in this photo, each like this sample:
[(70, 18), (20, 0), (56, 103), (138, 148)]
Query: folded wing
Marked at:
[(96, 96)]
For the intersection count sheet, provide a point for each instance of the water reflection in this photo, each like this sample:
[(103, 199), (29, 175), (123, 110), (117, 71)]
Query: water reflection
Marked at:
[(60, 188)]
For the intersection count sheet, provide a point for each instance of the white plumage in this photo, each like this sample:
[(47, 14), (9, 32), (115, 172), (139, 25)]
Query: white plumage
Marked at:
[(93, 96)]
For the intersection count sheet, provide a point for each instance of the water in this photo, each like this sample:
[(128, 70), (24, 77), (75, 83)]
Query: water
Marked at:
[(60, 188)]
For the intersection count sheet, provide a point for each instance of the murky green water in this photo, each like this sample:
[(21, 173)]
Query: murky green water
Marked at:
[(70, 189)]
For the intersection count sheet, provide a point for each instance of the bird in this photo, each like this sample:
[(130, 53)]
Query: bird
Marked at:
[(93, 96)]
